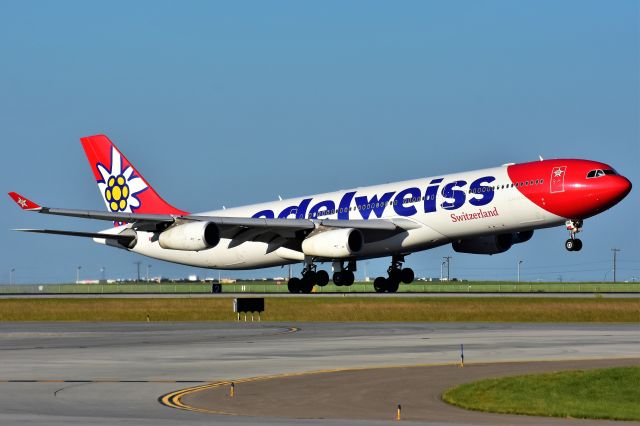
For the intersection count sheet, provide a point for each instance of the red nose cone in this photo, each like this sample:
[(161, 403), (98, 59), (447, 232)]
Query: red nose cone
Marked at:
[(611, 190), (623, 187)]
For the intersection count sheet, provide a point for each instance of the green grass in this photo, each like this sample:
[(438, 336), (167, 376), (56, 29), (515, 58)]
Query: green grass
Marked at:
[(359, 287), (422, 309), (612, 393)]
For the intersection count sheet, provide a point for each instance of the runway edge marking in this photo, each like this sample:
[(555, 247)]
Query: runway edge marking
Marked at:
[(174, 399)]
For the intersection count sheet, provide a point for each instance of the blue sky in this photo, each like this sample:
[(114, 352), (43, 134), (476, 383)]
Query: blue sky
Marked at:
[(229, 103)]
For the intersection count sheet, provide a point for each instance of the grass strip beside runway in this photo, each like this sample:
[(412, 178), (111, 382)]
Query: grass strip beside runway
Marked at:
[(419, 309), (611, 393)]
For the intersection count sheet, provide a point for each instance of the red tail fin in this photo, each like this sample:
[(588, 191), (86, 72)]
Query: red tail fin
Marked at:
[(121, 186)]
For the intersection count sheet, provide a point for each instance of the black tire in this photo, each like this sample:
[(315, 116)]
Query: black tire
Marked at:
[(569, 244), (338, 278), (349, 277), (407, 275), (577, 245), (306, 283), (294, 285), (392, 286), (322, 278), (310, 276), (380, 284), (395, 275)]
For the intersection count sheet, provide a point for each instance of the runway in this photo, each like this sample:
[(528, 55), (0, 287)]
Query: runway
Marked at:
[(105, 373)]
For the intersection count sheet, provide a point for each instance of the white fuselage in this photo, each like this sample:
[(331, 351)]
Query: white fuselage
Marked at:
[(439, 210)]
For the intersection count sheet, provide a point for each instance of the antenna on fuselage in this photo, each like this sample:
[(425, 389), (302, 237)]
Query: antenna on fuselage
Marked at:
[(279, 197), (540, 157)]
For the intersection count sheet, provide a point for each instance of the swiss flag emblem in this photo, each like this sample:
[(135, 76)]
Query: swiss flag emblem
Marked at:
[(557, 178)]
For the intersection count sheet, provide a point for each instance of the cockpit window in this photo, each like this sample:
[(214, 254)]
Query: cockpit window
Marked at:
[(598, 173)]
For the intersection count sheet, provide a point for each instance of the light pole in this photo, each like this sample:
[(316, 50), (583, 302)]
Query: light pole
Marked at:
[(448, 260), (138, 269), (78, 274), (102, 273), (442, 269), (519, 262), (148, 266), (11, 275), (615, 252)]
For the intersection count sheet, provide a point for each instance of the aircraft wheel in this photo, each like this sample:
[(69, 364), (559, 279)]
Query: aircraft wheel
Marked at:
[(570, 244), (322, 278), (309, 275), (338, 278), (392, 285), (395, 275), (294, 285), (349, 277), (380, 284), (577, 245), (306, 283), (407, 275)]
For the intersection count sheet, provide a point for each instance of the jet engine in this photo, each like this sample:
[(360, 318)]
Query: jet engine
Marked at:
[(333, 243), (190, 236)]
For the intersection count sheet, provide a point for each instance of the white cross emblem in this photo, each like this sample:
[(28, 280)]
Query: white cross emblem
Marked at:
[(22, 202)]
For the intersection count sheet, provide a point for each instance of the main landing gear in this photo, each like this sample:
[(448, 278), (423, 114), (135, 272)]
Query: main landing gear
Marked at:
[(396, 274), (310, 277), (342, 276), (573, 243)]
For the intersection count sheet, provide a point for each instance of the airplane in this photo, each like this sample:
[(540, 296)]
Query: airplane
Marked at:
[(481, 212)]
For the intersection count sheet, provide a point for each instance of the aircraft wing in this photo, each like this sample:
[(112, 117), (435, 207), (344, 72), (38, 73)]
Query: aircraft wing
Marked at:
[(125, 239), (240, 229)]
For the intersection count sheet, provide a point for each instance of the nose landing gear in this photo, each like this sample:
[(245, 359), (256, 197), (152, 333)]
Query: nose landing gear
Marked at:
[(573, 243)]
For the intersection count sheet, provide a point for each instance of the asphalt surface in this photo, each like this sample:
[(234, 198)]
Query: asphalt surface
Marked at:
[(356, 394), (106, 373)]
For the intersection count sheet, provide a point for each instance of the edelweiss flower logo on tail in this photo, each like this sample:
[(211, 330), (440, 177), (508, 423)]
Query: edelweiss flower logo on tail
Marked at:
[(118, 187)]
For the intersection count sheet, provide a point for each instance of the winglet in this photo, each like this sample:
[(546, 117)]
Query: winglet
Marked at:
[(24, 202)]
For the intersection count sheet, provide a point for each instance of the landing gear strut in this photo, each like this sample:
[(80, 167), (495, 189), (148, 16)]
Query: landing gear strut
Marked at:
[(310, 277), (573, 243), (396, 275)]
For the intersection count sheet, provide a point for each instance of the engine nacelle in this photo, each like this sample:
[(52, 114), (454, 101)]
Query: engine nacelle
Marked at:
[(192, 236), (491, 244), (333, 243)]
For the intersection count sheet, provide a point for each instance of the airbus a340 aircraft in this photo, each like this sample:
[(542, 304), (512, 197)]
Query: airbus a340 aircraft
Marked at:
[(482, 212)]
